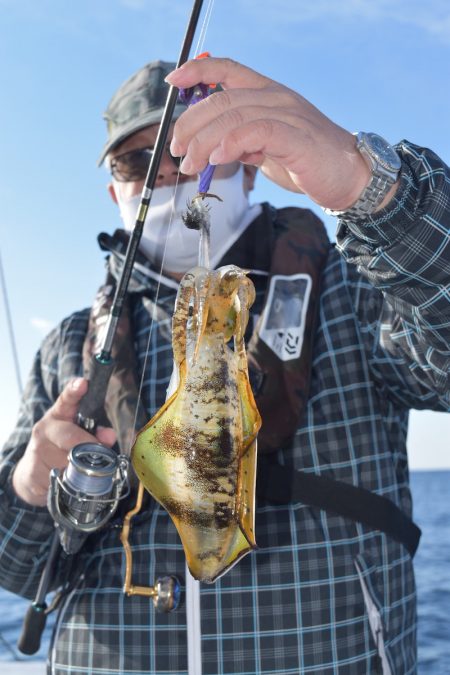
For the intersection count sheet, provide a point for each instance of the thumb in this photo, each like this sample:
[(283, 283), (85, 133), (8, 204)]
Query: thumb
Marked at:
[(66, 405), (106, 436)]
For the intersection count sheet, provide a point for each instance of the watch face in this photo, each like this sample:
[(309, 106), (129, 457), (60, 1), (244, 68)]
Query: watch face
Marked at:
[(382, 151)]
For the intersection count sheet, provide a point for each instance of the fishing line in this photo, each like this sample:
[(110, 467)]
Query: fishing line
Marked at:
[(10, 328), (153, 318), (12, 338), (65, 503), (204, 28)]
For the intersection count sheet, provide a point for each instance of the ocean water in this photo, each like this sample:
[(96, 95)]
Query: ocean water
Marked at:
[(431, 490)]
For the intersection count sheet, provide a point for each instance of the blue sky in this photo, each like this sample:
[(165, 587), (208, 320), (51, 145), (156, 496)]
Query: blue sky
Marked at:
[(372, 65)]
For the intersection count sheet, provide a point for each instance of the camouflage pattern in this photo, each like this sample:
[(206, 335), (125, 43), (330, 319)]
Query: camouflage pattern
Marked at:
[(138, 103)]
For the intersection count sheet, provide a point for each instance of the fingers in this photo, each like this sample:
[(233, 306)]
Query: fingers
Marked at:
[(66, 405), (201, 138), (31, 476), (106, 436), (51, 440), (259, 121), (272, 138), (57, 431), (227, 72), (58, 435), (227, 109), (255, 120)]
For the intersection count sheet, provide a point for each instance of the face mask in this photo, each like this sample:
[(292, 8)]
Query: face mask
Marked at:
[(228, 219)]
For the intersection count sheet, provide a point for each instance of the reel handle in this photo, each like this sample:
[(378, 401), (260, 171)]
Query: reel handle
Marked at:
[(32, 629), (36, 616)]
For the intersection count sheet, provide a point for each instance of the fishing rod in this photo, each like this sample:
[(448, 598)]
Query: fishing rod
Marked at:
[(9, 322), (86, 495), (15, 356)]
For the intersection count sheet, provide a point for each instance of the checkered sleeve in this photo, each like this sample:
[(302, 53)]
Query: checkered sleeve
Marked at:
[(26, 531), (404, 252)]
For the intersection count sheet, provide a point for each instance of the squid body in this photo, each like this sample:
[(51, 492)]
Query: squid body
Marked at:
[(197, 455)]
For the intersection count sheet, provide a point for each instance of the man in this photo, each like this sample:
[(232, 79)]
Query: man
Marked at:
[(326, 591)]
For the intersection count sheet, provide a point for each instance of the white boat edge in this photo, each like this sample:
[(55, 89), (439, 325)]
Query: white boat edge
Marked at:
[(23, 667)]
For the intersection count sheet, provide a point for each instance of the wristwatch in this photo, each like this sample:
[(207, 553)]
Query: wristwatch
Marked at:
[(384, 164)]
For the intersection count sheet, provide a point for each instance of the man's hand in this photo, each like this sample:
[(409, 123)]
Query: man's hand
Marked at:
[(258, 121), (51, 440)]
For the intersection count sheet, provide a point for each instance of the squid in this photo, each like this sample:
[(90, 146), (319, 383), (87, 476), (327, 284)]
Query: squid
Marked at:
[(197, 455)]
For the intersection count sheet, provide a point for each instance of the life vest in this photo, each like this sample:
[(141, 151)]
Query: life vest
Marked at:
[(280, 356)]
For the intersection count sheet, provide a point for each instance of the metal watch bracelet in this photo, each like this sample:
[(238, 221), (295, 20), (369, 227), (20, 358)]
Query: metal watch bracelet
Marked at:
[(370, 198)]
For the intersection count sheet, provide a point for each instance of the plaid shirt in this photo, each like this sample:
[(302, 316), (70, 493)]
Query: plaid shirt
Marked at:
[(304, 601)]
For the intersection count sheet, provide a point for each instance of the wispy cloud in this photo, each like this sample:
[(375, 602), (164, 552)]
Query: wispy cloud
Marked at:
[(432, 17), (42, 325)]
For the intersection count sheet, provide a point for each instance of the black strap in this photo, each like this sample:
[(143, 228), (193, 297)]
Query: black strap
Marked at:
[(283, 485)]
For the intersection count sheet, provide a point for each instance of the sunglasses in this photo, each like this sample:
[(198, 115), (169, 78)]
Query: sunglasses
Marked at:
[(133, 165)]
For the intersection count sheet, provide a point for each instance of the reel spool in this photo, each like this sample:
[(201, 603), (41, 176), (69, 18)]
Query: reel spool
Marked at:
[(85, 497)]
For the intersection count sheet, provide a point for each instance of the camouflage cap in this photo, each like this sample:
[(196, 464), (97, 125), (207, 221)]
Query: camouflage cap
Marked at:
[(138, 103)]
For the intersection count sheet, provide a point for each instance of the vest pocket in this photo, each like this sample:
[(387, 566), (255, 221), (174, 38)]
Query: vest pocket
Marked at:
[(365, 570)]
